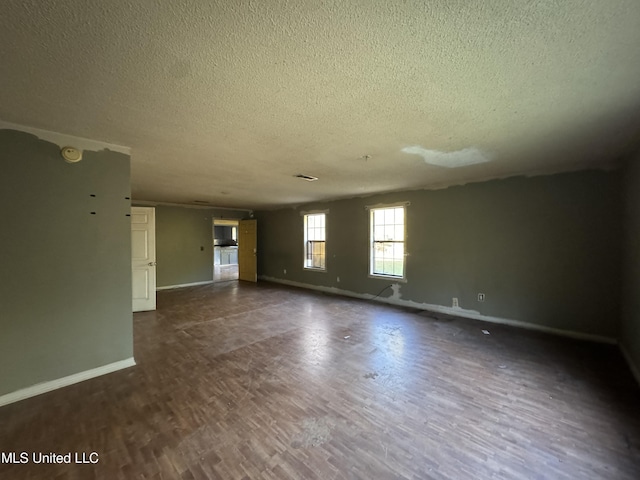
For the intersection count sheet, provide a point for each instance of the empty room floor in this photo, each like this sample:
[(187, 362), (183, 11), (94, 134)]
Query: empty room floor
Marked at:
[(259, 381)]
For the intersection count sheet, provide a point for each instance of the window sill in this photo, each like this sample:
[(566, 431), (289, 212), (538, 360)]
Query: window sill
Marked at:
[(311, 269), (389, 277)]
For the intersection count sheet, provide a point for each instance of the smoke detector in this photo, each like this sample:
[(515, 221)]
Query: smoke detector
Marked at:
[(71, 154)]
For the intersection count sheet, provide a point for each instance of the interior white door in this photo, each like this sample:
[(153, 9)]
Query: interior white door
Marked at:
[(143, 258)]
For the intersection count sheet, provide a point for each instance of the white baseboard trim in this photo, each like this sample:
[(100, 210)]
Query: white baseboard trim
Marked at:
[(182, 285), (459, 312), (45, 387), (632, 366)]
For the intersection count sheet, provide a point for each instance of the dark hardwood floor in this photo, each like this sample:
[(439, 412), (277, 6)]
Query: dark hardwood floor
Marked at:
[(244, 381)]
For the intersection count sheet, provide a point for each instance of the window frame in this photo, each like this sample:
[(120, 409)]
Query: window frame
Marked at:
[(372, 242), (305, 253)]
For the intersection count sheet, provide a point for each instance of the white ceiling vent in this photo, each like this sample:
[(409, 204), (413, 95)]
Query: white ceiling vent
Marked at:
[(308, 178)]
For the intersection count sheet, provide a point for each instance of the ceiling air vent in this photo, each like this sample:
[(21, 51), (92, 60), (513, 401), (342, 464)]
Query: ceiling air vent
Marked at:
[(308, 178), (201, 202)]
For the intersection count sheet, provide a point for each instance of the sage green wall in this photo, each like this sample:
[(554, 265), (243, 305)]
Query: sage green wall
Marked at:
[(65, 288), (544, 250), (630, 331), (184, 243)]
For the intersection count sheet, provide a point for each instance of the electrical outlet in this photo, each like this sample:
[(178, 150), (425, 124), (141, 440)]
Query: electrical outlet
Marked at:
[(338, 279), (455, 302), (285, 271), (481, 297)]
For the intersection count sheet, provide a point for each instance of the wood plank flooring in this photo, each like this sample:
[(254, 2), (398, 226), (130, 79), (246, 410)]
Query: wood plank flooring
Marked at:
[(258, 381)]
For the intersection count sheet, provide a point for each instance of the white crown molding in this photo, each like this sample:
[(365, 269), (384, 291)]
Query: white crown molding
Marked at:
[(63, 140), (153, 203)]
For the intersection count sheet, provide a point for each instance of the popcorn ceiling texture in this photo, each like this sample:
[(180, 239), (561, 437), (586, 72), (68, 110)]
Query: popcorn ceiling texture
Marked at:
[(239, 96)]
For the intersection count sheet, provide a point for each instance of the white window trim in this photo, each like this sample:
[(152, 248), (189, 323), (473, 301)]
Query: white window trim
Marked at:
[(313, 212), (379, 206), (389, 277), (304, 226), (387, 205)]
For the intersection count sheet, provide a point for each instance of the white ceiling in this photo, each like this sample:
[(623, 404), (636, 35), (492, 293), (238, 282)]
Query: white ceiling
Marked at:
[(226, 100)]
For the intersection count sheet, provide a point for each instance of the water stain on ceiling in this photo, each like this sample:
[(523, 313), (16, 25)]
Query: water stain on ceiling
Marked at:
[(460, 158)]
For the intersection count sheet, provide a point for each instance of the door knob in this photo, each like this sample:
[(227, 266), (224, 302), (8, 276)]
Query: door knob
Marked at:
[(152, 264)]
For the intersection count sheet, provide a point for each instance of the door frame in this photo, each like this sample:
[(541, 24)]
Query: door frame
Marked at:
[(222, 222)]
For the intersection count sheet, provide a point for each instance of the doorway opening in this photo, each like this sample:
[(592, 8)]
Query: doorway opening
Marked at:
[(225, 250)]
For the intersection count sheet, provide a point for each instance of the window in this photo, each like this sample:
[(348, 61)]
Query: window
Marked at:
[(387, 241), (314, 241)]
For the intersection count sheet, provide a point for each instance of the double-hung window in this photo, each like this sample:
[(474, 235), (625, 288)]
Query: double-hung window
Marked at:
[(315, 233), (387, 241)]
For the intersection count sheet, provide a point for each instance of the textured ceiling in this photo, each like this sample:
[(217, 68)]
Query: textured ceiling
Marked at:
[(225, 101)]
